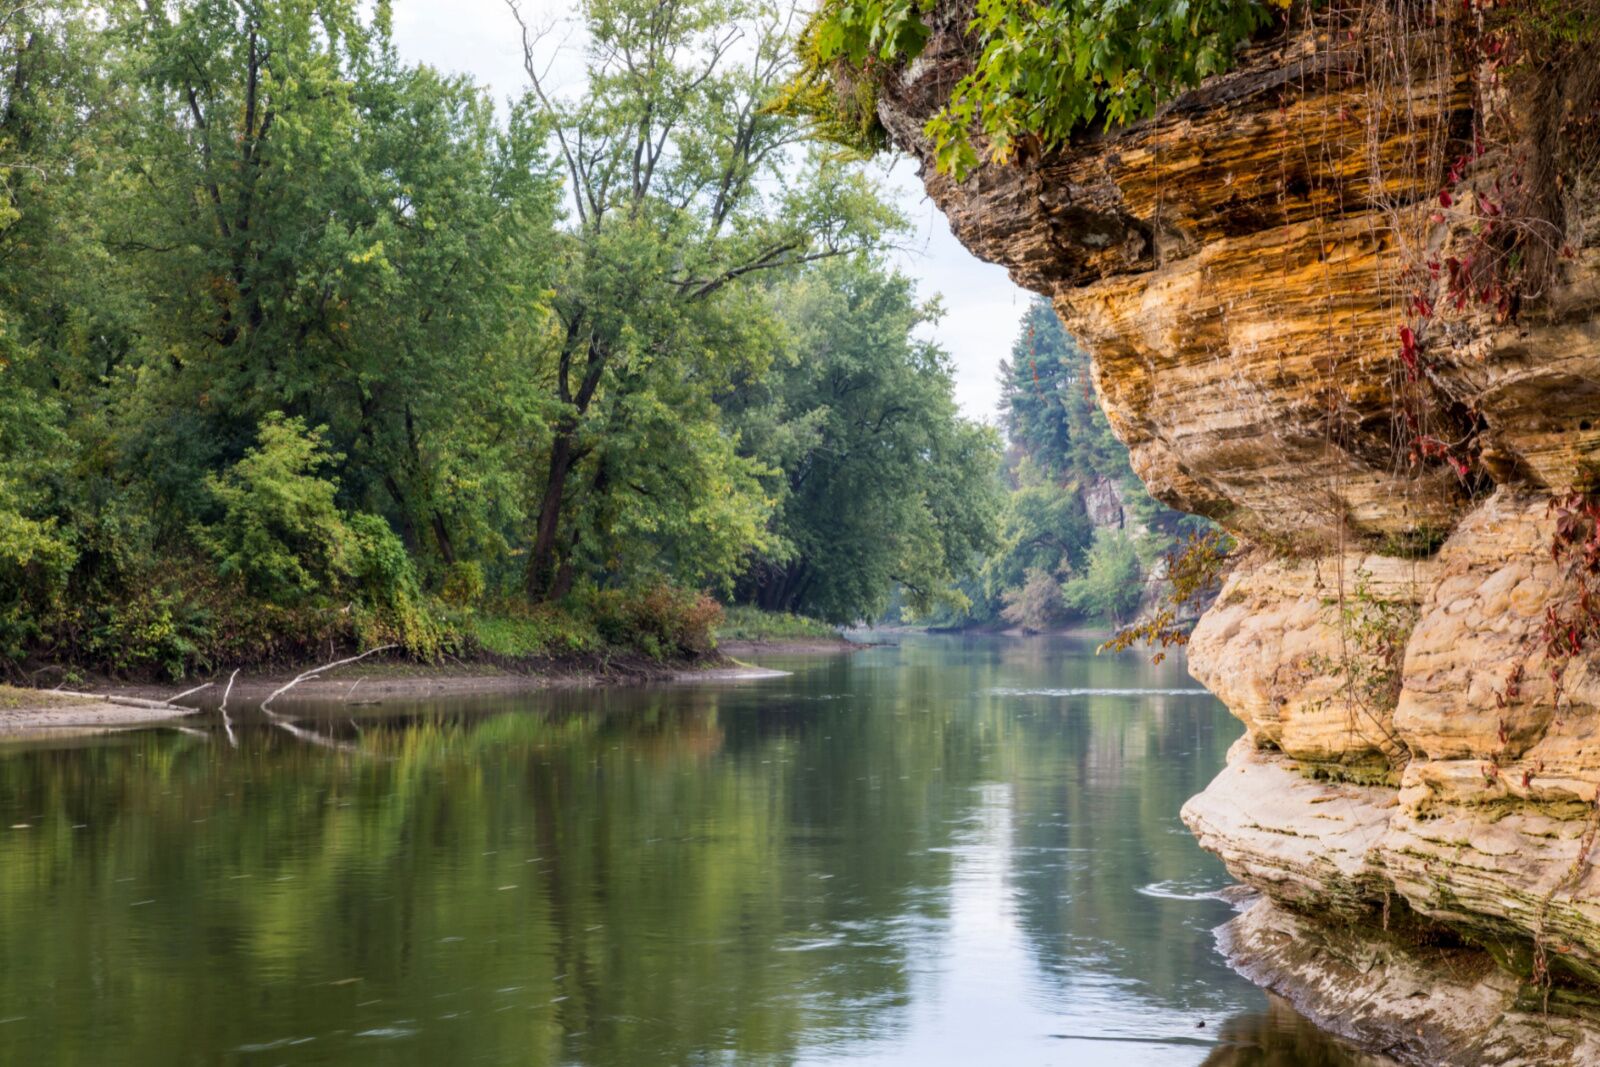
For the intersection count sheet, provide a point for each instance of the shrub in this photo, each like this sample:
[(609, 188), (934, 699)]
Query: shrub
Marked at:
[(463, 584), (284, 537), (1036, 604), (661, 621), (1111, 584), (744, 622), (281, 531)]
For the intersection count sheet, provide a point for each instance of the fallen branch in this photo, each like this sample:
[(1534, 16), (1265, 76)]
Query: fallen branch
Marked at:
[(188, 692), (131, 702), (316, 671), (227, 723)]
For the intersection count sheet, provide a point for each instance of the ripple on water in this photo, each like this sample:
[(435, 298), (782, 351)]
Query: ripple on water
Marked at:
[(387, 1033), (1179, 890), (282, 1042)]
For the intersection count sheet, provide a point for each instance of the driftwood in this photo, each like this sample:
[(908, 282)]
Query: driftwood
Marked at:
[(227, 723), (188, 692), (130, 702), (313, 672)]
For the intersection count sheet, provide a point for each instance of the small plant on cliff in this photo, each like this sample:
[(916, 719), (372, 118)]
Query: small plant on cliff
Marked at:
[(1045, 70), (1501, 195), (1373, 632)]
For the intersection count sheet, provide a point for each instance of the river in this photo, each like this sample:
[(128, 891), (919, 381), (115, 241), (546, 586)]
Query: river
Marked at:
[(947, 850)]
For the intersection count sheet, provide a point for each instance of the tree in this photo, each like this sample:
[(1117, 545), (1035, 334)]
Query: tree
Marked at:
[(1036, 604), (1043, 528), (323, 231), (686, 194), (1048, 407), (1112, 583), (883, 482)]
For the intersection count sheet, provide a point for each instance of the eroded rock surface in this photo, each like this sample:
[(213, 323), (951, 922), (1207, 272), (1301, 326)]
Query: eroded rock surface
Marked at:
[(1428, 1004), (1240, 267)]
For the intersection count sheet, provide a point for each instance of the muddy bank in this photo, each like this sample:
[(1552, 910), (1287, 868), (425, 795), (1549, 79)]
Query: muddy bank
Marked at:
[(374, 681), (35, 712), (32, 712)]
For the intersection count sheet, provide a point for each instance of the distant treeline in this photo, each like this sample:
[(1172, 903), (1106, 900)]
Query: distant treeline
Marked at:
[(302, 344), (1080, 541)]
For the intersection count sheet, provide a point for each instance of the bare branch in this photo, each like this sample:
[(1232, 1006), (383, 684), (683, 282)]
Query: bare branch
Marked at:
[(530, 41), (313, 672)]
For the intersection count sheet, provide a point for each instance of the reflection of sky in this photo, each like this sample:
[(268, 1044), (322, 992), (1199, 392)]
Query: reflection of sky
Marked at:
[(1018, 961), (983, 308), (979, 998)]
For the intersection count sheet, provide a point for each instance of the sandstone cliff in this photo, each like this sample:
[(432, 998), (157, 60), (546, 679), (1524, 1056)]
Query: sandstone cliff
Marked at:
[(1244, 268)]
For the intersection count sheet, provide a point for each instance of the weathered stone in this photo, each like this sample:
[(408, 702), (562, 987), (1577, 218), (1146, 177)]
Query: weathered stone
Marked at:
[(1436, 1005), (1272, 644), (1302, 842)]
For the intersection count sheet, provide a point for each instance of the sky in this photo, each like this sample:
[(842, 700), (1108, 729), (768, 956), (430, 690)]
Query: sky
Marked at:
[(982, 306)]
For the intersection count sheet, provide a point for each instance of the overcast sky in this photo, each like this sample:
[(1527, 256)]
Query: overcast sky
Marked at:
[(982, 307)]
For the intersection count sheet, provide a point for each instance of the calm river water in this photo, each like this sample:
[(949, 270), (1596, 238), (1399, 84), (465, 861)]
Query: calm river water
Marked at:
[(948, 851)]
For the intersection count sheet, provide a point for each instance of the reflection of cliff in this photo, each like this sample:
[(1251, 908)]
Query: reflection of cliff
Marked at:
[(1240, 267), (1281, 1037)]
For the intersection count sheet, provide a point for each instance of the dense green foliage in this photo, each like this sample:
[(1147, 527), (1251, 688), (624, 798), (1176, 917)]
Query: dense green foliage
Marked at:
[(1056, 563), (743, 622), (301, 344), (880, 483), (1042, 70)]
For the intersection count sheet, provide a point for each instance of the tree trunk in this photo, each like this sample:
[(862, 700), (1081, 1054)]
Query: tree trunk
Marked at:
[(539, 579), (441, 534)]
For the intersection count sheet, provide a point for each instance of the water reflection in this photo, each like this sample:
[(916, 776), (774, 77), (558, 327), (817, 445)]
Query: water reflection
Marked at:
[(945, 852)]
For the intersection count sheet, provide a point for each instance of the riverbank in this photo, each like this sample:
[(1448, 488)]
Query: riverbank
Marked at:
[(368, 682), (31, 712)]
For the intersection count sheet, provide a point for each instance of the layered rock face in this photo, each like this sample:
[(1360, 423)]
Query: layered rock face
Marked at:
[(1240, 267)]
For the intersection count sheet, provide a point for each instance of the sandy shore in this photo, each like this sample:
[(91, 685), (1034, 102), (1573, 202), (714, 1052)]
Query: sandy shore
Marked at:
[(30, 712)]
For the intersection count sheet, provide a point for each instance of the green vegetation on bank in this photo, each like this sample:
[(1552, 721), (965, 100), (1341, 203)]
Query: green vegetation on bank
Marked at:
[(745, 623), (305, 346)]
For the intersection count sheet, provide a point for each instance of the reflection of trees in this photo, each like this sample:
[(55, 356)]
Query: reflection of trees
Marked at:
[(687, 883), (1097, 785), (612, 877)]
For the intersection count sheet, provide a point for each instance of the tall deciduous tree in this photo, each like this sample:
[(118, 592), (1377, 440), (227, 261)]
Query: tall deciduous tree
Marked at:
[(685, 194), (329, 233), (883, 482)]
